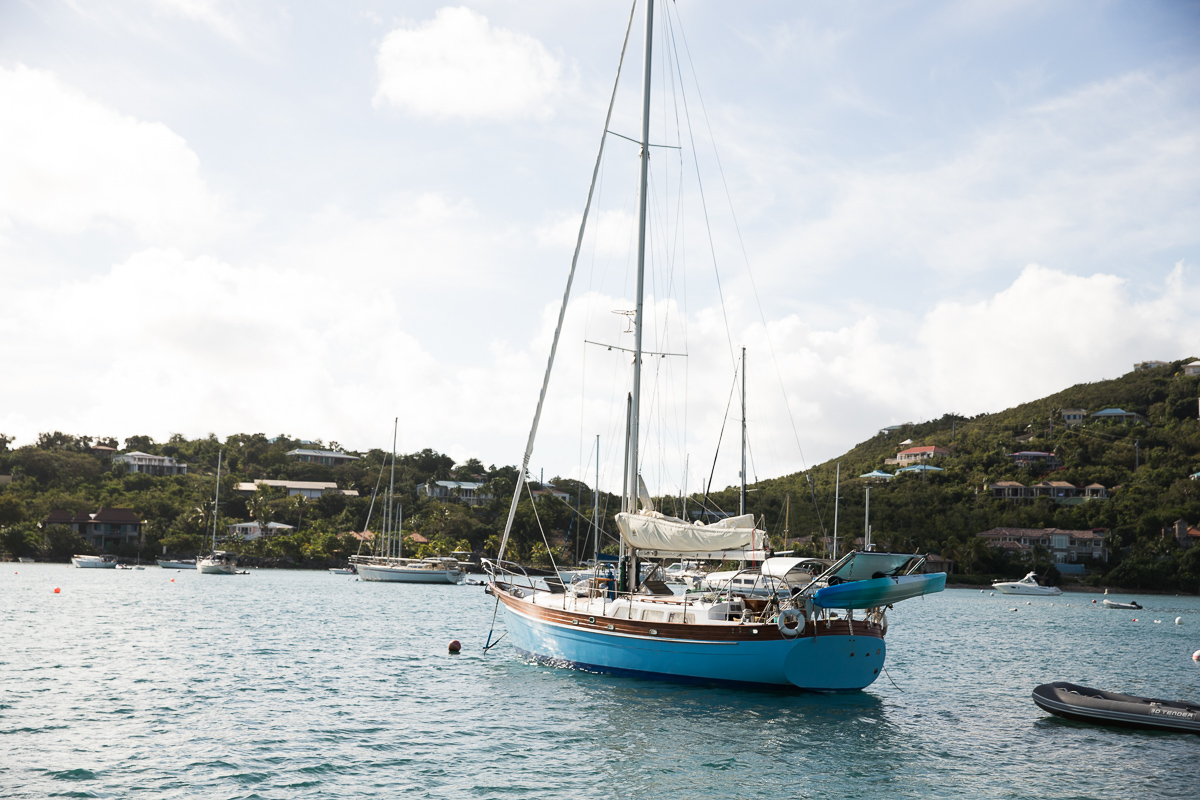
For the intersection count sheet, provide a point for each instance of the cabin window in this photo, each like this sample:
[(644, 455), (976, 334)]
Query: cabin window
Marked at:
[(650, 615), (679, 616), (621, 613)]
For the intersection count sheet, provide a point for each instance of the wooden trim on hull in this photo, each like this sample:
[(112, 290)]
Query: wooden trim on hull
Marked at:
[(761, 631)]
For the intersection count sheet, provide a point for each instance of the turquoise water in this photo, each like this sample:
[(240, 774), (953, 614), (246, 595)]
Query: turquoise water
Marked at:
[(299, 685)]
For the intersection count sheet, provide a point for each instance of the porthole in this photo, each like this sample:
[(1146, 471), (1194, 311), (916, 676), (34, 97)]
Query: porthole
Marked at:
[(609, 627), (653, 632), (592, 620), (574, 622)]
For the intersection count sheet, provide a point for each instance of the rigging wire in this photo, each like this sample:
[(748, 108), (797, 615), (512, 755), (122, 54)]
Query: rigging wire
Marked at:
[(512, 510), (728, 405), (742, 245)]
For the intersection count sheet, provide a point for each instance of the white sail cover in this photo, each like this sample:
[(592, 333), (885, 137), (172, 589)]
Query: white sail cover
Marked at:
[(651, 530)]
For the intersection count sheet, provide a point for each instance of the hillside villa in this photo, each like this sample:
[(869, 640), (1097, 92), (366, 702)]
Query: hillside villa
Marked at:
[(104, 530), (1065, 546)]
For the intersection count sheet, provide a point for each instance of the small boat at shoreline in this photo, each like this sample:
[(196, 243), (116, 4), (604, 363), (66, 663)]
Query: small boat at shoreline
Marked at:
[(94, 562), (185, 564), (1082, 704), (1130, 606), (1027, 585)]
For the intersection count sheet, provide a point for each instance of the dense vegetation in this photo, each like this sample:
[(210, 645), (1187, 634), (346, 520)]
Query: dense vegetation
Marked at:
[(1145, 467), (62, 472)]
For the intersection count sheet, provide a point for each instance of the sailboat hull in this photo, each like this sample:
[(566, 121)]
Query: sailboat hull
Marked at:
[(388, 574), (834, 662)]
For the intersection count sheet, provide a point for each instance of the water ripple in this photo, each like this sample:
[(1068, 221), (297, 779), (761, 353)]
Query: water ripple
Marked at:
[(287, 685)]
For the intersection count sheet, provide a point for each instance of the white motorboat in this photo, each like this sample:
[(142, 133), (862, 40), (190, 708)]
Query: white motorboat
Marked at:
[(341, 571), (168, 564), (1027, 585), (94, 562), (1130, 606), (688, 573), (770, 579)]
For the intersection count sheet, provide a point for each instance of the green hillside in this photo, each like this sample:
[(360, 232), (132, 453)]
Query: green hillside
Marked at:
[(1145, 467)]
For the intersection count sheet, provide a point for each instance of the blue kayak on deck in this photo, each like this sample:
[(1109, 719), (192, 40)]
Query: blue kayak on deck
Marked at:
[(875, 592)]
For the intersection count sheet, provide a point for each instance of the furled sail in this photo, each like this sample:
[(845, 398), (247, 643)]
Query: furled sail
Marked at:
[(651, 530)]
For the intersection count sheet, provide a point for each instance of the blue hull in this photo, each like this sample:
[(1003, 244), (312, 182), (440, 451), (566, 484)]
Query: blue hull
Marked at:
[(832, 663)]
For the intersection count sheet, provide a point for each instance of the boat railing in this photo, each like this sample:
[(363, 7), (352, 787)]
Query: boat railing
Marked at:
[(510, 573)]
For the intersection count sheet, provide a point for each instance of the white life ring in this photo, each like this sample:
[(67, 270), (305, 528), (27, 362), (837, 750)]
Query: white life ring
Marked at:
[(790, 622)]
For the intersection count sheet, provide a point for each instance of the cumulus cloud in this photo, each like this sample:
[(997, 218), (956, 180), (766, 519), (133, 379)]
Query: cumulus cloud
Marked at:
[(69, 164), (1046, 331), (162, 340), (459, 65)]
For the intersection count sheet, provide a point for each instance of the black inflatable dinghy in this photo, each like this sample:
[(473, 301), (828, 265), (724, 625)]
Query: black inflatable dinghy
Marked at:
[(1109, 708)]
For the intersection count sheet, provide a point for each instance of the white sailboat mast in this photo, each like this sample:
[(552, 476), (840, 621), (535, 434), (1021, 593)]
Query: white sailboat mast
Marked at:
[(837, 496), (632, 452), (742, 497), (596, 509), (392, 487), (217, 499)]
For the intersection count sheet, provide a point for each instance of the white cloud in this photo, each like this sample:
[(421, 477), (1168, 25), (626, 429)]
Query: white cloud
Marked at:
[(206, 12), (1105, 174), (458, 65), (69, 164), (161, 342)]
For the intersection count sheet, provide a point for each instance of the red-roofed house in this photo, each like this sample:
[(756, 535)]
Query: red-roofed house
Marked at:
[(914, 455), (1185, 534)]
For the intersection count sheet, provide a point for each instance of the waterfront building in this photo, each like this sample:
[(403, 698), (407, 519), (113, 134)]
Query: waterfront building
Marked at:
[(327, 458), (104, 530), (151, 465)]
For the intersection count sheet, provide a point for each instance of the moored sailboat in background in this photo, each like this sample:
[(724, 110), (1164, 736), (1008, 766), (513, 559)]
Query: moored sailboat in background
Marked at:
[(387, 564), (802, 632), (217, 562)]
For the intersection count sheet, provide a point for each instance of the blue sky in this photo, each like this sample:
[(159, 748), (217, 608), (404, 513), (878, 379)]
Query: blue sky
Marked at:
[(312, 217)]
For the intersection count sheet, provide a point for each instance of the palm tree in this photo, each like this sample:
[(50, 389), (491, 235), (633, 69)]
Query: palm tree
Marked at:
[(975, 553), (950, 553), (260, 508)]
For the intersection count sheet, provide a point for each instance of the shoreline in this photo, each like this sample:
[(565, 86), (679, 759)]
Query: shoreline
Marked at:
[(1100, 590)]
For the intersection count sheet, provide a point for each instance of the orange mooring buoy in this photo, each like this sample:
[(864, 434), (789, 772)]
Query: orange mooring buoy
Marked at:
[(57, 590)]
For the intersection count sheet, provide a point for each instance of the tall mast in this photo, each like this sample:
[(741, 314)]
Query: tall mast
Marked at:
[(867, 521), (392, 482), (837, 495), (596, 509), (742, 497), (217, 499), (632, 459)]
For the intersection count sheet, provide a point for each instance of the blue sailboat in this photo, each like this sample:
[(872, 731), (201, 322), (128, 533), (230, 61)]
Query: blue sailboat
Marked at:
[(803, 632)]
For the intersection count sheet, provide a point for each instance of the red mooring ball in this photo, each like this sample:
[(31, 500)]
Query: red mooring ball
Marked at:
[(57, 590), (455, 646)]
